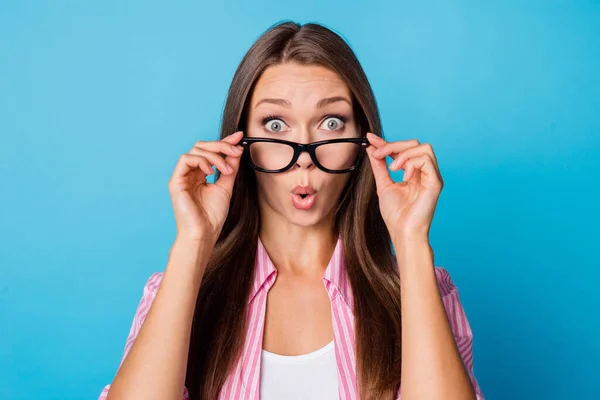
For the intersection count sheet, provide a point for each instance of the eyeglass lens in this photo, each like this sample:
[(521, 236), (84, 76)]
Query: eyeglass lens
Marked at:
[(333, 156)]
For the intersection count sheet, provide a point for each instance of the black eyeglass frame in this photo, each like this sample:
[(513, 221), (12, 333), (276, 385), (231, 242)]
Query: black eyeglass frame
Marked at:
[(299, 148)]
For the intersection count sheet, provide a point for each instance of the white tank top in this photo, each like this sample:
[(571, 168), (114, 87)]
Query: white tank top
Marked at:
[(307, 376)]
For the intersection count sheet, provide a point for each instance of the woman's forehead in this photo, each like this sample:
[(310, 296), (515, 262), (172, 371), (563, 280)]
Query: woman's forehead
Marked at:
[(299, 84)]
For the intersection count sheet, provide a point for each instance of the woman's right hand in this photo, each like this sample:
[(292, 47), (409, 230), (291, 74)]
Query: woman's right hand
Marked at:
[(201, 208)]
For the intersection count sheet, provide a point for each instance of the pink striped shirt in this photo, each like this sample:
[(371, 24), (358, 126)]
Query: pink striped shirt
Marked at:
[(244, 380)]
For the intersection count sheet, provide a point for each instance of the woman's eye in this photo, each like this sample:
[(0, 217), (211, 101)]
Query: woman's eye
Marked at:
[(274, 125), (333, 123)]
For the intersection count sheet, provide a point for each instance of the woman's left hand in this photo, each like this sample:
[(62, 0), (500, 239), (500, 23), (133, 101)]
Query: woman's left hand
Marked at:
[(407, 207)]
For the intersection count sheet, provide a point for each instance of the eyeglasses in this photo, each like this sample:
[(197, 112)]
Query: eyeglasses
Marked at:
[(335, 156)]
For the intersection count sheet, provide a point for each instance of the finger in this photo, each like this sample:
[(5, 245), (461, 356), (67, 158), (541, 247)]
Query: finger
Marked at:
[(227, 181), (380, 171), (422, 165), (215, 159), (414, 152), (234, 138), (205, 166), (375, 141), (394, 148), (222, 146), (190, 162)]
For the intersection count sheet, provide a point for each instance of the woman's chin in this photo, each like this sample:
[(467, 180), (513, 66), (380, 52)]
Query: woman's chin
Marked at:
[(305, 218)]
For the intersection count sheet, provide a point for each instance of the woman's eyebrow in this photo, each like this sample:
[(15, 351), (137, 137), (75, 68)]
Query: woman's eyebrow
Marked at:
[(326, 101), (320, 104)]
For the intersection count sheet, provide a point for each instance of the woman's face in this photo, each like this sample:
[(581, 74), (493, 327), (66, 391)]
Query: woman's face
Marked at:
[(289, 102)]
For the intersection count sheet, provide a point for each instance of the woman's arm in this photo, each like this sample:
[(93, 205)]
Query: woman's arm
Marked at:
[(432, 367), (155, 366)]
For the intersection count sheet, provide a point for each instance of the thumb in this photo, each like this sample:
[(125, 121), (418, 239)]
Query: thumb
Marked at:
[(380, 171)]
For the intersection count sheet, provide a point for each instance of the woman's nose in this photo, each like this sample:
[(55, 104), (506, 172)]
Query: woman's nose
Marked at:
[(304, 135), (304, 160)]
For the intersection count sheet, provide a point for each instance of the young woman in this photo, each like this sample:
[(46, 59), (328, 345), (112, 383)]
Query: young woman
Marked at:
[(282, 283)]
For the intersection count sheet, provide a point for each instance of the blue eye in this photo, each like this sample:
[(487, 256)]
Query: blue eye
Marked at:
[(273, 124), (335, 122)]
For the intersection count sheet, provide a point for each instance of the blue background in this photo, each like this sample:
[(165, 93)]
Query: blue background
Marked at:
[(98, 99)]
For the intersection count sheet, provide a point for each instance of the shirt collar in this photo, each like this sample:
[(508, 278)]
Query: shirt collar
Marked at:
[(335, 274)]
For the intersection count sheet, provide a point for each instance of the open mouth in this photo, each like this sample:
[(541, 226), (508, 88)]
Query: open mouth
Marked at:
[(303, 201), (303, 197)]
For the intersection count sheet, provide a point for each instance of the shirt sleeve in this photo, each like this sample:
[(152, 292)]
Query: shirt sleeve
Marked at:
[(148, 296), (459, 324)]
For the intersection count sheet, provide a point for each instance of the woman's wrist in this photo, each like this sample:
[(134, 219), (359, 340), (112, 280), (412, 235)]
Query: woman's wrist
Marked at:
[(190, 256), (415, 258)]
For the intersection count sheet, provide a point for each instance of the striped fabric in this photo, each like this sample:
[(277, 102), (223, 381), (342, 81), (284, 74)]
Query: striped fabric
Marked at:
[(244, 380)]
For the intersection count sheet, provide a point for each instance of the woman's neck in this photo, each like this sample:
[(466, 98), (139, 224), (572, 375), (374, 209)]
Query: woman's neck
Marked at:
[(298, 250)]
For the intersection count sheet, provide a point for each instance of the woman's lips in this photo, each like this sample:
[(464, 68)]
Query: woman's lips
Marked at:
[(303, 203)]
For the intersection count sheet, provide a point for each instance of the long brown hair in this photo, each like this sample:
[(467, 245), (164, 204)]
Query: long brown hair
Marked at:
[(218, 329)]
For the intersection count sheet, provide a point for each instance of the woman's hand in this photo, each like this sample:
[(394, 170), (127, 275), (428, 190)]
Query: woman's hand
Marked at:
[(201, 208), (407, 207)]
